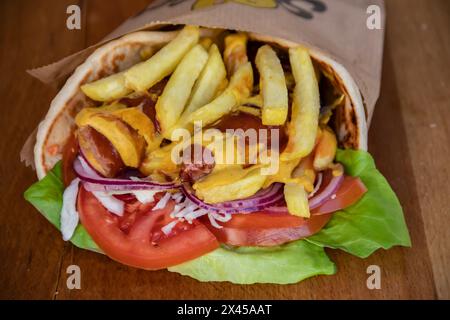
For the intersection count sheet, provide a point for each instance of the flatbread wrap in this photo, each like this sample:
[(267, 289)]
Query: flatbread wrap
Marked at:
[(222, 155)]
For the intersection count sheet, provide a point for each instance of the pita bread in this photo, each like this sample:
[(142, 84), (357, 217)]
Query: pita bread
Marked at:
[(120, 54)]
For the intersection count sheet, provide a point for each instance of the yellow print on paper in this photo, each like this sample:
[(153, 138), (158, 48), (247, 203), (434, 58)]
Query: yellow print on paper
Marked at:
[(199, 4)]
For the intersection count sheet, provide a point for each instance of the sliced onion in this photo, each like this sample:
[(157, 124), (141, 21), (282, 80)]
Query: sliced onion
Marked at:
[(317, 186), (167, 229), (112, 204), (316, 201), (88, 167), (214, 222), (221, 217), (326, 193), (145, 196), (261, 200), (69, 214), (162, 202), (277, 209), (87, 174)]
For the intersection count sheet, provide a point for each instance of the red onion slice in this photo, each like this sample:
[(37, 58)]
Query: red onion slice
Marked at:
[(277, 209), (98, 183), (327, 193), (317, 200), (87, 166), (111, 203), (317, 186), (90, 171), (259, 201)]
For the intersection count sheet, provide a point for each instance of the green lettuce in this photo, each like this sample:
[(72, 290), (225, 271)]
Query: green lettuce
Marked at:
[(46, 195), (285, 264), (376, 221)]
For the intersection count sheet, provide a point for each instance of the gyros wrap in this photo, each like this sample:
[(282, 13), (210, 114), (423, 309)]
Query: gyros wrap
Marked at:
[(133, 159)]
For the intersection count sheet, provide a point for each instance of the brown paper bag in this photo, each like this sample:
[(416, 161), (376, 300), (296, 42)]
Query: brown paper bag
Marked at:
[(336, 27)]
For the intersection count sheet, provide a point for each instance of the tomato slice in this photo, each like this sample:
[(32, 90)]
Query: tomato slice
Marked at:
[(266, 229), (263, 220), (270, 229), (136, 247), (351, 190), (69, 154)]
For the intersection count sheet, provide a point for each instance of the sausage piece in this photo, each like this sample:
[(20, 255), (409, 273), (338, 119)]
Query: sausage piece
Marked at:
[(196, 166), (99, 152)]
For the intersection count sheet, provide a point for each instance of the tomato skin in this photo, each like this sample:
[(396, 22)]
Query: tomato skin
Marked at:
[(127, 197), (351, 190), (263, 220), (267, 229), (69, 154), (135, 249)]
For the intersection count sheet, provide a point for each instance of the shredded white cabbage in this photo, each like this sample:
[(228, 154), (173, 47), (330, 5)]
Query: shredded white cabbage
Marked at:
[(222, 217), (110, 202), (168, 227), (184, 209), (214, 222), (189, 211), (145, 196), (163, 202)]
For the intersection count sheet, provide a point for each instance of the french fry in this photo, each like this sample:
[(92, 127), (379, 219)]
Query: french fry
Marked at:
[(284, 172), (107, 89), (176, 93), (206, 43), (325, 150), (296, 200), (254, 101), (306, 169), (144, 75), (146, 52), (231, 184), (206, 86), (238, 89), (214, 110), (250, 110), (209, 81), (85, 113), (303, 126), (272, 86), (286, 175), (235, 53), (160, 161), (136, 119)]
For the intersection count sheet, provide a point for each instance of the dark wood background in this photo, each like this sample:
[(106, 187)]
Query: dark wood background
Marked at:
[(409, 139)]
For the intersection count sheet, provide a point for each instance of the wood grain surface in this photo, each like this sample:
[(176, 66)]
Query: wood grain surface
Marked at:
[(409, 139)]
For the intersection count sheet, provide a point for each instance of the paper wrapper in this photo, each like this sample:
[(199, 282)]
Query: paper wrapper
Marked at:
[(338, 28)]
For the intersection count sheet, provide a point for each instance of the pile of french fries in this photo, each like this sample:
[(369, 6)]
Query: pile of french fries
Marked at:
[(204, 86)]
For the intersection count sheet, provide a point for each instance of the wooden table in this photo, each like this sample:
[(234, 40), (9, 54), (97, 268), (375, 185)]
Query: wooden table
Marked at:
[(409, 139)]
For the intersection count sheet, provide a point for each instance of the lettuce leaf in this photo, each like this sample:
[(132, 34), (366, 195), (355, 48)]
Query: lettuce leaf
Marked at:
[(46, 195), (285, 264), (375, 221)]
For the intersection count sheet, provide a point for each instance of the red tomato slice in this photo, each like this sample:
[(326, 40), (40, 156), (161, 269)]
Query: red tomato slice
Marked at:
[(266, 229), (136, 248), (69, 154), (351, 190), (263, 220)]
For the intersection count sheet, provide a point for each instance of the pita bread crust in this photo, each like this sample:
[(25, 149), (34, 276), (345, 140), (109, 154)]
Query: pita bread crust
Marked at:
[(352, 131), (120, 54), (110, 58)]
